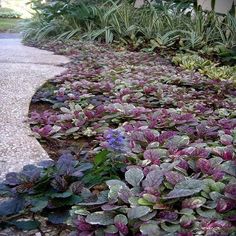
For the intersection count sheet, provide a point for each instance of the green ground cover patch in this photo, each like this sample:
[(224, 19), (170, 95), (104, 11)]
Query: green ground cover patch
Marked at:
[(9, 25)]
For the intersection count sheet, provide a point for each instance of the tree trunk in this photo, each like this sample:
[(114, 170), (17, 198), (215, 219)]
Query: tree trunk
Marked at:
[(218, 6), (140, 3)]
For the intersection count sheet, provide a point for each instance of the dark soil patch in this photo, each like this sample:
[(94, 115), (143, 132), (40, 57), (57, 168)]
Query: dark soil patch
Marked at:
[(56, 147)]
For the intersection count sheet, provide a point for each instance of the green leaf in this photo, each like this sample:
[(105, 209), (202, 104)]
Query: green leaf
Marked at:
[(39, 205), (137, 212), (72, 200), (150, 229), (121, 219), (211, 214), (114, 192), (170, 228), (215, 196), (58, 217), (134, 176), (111, 229), (194, 202), (61, 195), (186, 211), (144, 202), (72, 130), (100, 218), (185, 188), (115, 182), (101, 157), (26, 225), (229, 168)]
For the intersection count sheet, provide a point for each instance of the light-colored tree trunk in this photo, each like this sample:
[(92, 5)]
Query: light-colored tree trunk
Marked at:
[(220, 6), (140, 3)]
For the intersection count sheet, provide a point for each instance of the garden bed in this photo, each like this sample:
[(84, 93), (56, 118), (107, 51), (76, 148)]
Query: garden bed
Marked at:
[(141, 147)]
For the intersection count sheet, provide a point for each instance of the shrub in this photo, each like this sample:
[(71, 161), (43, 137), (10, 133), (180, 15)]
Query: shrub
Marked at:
[(158, 26), (205, 67), (9, 13)]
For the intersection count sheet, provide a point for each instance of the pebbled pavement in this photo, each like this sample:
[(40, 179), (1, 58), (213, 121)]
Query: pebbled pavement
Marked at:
[(22, 71)]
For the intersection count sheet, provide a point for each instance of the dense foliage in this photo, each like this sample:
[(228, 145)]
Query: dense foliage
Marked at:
[(8, 13), (205, 67), (152, 148), (156, 26)]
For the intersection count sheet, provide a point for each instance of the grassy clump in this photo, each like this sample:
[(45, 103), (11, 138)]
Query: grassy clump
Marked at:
[(8, 25)]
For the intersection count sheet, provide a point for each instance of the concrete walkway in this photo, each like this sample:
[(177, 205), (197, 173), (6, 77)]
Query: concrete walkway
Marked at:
[(22, 71)]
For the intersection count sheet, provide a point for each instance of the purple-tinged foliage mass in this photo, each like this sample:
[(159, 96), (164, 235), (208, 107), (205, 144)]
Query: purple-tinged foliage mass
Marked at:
[(175, 130)]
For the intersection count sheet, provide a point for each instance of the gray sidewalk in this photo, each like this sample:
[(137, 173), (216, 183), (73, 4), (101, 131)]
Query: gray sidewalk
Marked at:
[(22, 70)]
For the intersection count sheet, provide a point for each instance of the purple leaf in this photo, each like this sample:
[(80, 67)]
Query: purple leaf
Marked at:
[(152, 155), (183, 164), (138, 136), (218, 175), (168, 215), (153, 179), (226, 139), (165, 136), (221, 224), (177, 142), (124, 194), (205, 166), (12, 178), (196, 152), (174, 177), (122, 228), (228, 155), (150, 136), (185, 234), (82, 225), (186, 221), (76, 187), (230, 191), (224, 205), (193, 203)]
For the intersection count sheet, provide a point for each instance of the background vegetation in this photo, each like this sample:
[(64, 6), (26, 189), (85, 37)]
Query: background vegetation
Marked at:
[(10, 16), (169, 25)]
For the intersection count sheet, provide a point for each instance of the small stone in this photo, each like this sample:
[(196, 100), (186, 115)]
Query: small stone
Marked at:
[(38, 234)]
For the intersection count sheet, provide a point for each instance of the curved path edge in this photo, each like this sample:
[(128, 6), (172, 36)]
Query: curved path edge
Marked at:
[(22, 71)]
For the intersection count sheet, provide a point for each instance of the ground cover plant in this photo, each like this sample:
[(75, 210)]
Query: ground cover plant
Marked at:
[(205, 67), (8, 25), (139, 147)]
